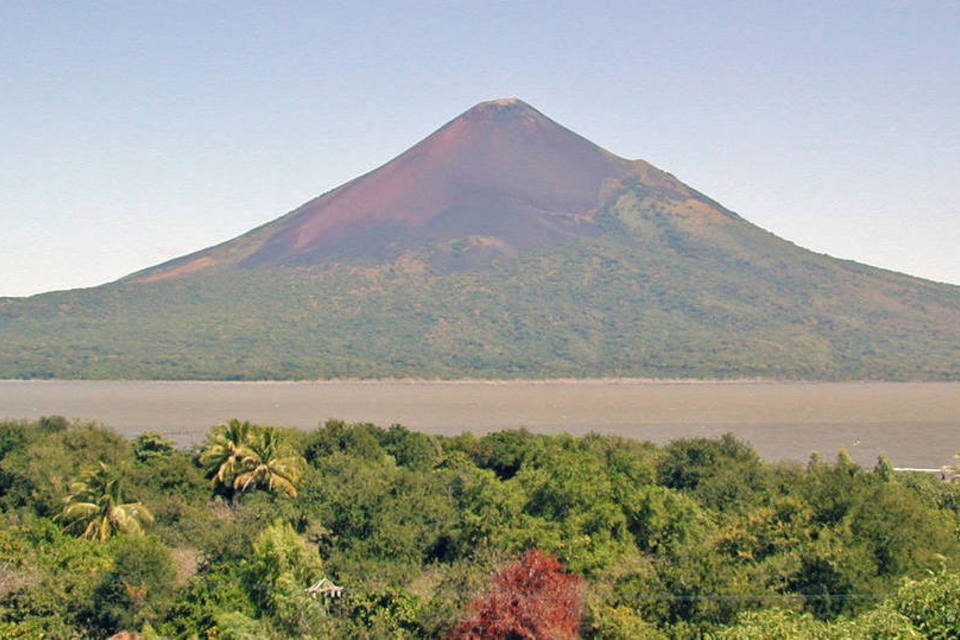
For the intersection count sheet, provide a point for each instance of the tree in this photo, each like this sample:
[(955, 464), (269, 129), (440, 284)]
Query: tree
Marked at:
[(95, 506), (268, 462), (531, 598), (150, 445), (225, 448), (39, 473), (417, 451), (281, 568), (138, 588), (240, 456)]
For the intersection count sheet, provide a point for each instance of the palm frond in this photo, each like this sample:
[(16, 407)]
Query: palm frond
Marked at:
[(95, 506)]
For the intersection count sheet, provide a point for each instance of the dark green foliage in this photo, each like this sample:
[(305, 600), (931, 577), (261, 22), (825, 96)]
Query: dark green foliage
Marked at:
[(39, 472), (50, 578), (410, 449), (150, 445), (219, 590), (665, 522), (336, 436), (138, 588), (380, 613), (380, 519), (173, 485), (503, 452), (693, 540), (688, 463), (888, 522), (572, 490), (14, 435), (489, 513)]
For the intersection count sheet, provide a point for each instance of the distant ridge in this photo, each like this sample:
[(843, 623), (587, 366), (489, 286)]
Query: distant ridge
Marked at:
[(501, 246)]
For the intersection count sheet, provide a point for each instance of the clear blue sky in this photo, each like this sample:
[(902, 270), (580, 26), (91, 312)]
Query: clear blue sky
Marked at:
[(133, 132)]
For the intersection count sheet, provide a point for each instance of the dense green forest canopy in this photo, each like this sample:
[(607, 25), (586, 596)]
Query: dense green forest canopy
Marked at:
[(435, 537)]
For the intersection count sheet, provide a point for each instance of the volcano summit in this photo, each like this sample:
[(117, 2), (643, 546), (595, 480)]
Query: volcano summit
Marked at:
[(502, 245), (501, 177)]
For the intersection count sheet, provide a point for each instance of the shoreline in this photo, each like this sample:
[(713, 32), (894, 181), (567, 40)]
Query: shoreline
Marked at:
[(484, 381), (917, 424)]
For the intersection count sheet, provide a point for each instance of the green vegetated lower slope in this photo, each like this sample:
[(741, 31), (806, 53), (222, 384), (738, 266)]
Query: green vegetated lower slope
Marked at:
[(619, 539), (653, 292)]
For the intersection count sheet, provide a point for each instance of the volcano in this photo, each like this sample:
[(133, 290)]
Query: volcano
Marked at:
[(501, 246), (498, 179)]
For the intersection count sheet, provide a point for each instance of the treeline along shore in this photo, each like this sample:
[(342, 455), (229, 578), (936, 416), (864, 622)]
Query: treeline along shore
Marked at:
[(914, 424), (350, 530)]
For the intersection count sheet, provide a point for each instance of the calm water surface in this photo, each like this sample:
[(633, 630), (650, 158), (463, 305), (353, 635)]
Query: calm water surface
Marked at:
[(915, 424)]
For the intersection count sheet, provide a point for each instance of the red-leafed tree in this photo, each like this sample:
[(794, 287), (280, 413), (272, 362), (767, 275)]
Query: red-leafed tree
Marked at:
[(531, 599)]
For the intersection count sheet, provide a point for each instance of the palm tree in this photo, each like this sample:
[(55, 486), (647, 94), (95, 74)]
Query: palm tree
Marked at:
[(269, 462), (95, 507), (225, 449)]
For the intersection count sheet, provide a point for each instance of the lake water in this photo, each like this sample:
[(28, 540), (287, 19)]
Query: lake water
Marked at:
[(915, 424)]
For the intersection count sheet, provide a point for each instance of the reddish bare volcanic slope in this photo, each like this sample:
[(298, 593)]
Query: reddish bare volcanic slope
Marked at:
[(497, 150), (502, 174)]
